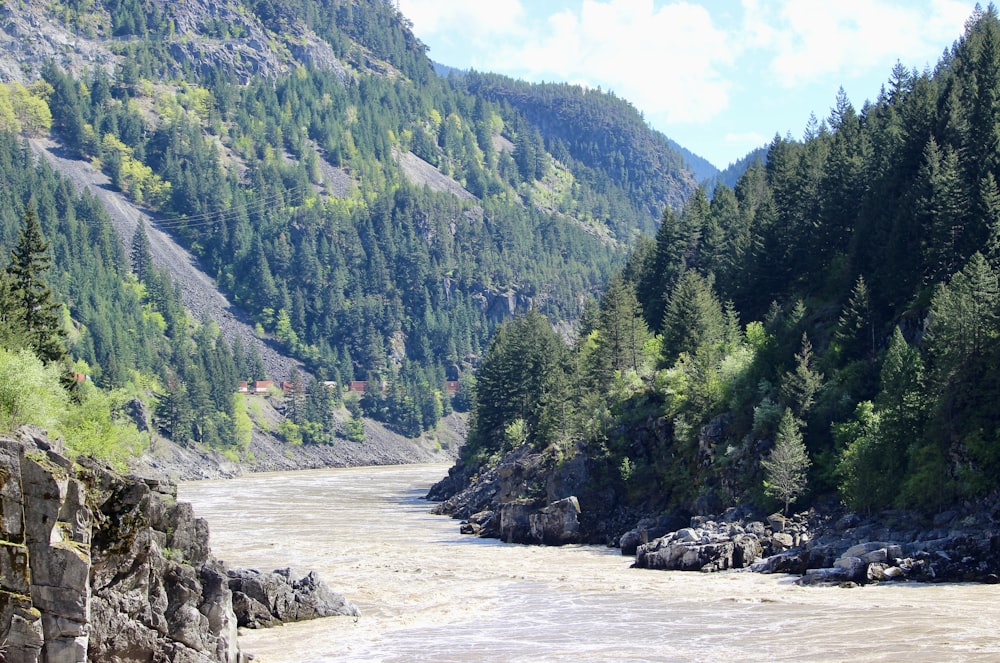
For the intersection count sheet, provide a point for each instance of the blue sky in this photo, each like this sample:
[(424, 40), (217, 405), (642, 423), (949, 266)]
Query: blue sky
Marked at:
[(719, 77)]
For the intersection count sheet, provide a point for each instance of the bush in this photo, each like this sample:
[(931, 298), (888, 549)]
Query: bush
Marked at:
[(30, 392)]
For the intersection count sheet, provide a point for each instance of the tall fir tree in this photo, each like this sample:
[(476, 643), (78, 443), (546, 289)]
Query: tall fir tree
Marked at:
[(141, 256), (787, 465), (38, 312)]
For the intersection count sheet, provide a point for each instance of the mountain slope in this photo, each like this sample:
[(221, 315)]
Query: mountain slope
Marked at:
[(199, 292), (372, 220), (602, 138)]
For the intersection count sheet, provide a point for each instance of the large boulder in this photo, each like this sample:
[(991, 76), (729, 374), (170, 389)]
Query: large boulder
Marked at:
[(268, 598), (557, 524)]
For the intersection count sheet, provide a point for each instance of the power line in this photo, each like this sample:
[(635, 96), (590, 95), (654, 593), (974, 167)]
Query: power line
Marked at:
[(229, 213)]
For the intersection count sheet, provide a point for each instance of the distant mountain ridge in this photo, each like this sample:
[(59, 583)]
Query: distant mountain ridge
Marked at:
[(600, 136)]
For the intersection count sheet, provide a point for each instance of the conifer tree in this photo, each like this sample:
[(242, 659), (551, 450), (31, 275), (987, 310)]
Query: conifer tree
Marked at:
[(693, 319), (622, 331), (902, 405), (38, 313), (12, 333), (142, 258), (786, 467), (855, 329), (800, 386)]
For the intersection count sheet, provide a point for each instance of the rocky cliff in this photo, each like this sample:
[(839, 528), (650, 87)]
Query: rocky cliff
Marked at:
[(97, 566)]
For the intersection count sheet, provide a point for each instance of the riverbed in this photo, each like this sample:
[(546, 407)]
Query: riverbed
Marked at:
[(427, 593)]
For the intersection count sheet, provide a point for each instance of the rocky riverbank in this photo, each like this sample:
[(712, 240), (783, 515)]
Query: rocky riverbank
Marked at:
[(98, 566), (836, 548), (532, 497)]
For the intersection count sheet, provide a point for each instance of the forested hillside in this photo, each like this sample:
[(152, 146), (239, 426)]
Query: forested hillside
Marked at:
[(603, 140), (375, 220), (827, 327)]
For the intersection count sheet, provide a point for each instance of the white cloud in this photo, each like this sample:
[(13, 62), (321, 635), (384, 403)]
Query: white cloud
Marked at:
[(474, 21), (664, 60), (806, 39)]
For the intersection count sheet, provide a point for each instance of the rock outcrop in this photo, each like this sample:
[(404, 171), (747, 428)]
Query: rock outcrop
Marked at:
[(97, 566), (513, 502)]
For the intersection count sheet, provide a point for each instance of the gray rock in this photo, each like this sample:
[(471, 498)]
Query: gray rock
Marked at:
[(90, 571), (829, 576), (557, 524), (515, 527), (686, 535), (877, 571), (853, 567), (283, 597), (630, 541), (781, 541), (776, 522)]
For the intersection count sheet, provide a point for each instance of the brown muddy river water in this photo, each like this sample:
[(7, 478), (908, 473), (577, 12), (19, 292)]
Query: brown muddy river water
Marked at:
[(427, 593)]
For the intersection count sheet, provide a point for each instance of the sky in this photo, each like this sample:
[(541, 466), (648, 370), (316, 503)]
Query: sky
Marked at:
[(719, 77)]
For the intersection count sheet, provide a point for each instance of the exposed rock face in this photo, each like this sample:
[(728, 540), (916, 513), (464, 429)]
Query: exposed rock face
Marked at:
[(495, 506), (104, 568), (32, 34), (552, 525), (706, 548), (96, 566)]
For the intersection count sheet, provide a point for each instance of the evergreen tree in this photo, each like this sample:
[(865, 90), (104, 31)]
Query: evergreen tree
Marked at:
[(855, 329), (787, 465), (800, 386), (12, 333), (693, 319), (524, 375), (39, 314), (902, 407), (963, 321), (941, 209), (142, 258), (622, 332)]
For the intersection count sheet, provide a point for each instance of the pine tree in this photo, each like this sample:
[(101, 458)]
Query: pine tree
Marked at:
[(941, 209), (693, 319), (142, 258), (786, 467), (963, 320), (621, 330), (38, 313), (12, 333), (855, 329), (800, 386)]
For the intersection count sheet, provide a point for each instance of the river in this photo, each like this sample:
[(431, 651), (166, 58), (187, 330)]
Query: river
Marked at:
[(427, 593)]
